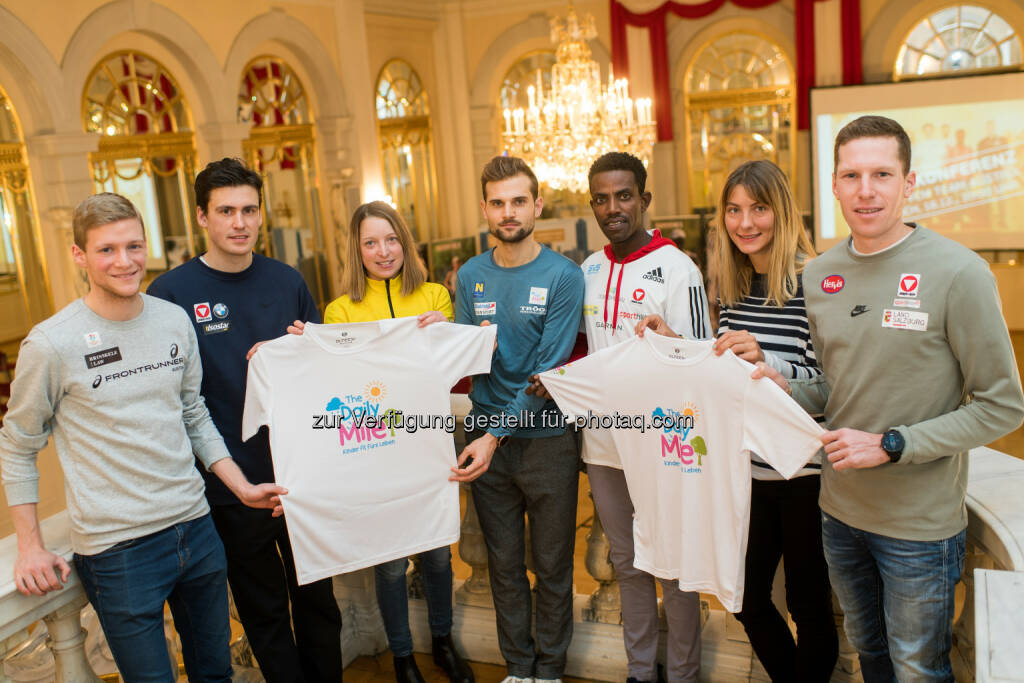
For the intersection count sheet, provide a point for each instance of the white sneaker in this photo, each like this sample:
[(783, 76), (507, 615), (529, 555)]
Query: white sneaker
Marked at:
[(517, 679)]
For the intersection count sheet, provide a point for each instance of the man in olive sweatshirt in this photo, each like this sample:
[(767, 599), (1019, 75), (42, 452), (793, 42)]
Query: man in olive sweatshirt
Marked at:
[(918, 368)]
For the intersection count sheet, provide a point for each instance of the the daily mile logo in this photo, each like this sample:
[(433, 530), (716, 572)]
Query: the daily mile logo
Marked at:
[(679, 425), (347, 414)]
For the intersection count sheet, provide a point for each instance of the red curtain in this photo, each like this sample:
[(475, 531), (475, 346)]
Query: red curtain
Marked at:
[(655, 20)]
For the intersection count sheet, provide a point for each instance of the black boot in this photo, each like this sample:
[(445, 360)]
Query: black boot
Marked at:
[(447, 657), (406, 670)]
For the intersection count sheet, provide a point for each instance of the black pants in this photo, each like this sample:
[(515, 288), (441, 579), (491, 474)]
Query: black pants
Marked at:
[(785, 522), (261, 573), (538, 479)]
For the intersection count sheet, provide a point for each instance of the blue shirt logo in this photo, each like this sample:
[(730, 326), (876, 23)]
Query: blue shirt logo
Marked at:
[(478, 290)]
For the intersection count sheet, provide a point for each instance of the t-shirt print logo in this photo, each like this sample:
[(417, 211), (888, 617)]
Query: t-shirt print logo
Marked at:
[(638, 295), (538, 296), (202, 312), (909, 283), (678, 425)]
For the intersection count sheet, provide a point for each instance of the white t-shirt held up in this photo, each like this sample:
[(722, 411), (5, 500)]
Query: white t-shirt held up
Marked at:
[(365, 485), (688, 467)]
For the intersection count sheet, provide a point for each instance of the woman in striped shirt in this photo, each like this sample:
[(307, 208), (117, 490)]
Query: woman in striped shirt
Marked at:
[(762, 246), (760, 251)]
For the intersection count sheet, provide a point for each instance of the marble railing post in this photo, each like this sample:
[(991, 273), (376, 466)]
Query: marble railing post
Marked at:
[(476, 590), (67, 641), (605, 604)]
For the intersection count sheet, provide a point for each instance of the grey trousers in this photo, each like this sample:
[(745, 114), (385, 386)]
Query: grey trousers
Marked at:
[(639, 598), (538, 478)]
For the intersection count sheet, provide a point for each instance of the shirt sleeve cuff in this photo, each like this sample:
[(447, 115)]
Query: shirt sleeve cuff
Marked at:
[(211, 452), (22, 492)]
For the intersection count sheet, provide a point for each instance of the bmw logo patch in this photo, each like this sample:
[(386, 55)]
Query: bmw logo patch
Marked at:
[(220, 310)]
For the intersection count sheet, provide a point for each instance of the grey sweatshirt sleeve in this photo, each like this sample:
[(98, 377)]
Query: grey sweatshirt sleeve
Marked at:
[(207, 443), (26, 427), (811, 394), (978, 338)]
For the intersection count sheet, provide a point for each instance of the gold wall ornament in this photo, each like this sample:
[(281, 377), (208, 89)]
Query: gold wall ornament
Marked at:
[(566, 126)]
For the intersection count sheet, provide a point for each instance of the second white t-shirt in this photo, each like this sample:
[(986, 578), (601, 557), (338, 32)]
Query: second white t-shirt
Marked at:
[(361, 493), (689, 481)]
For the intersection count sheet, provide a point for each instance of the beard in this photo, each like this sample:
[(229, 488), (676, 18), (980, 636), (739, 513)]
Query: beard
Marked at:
[(519, 235)]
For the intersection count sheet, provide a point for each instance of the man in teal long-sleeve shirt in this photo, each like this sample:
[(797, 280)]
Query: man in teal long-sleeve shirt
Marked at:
[(520, 457)]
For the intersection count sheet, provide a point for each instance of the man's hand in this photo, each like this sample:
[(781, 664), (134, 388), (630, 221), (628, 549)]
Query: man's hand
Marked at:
[(295, 328), (430, 317), (34, 571), (765, 370), (479, 454), (742, 343), (852, 449), (485, 323), (656, 324), (263, 496), (536, 388)]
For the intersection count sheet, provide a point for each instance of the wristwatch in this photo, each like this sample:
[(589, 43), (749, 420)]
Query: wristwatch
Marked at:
[(893, 444)]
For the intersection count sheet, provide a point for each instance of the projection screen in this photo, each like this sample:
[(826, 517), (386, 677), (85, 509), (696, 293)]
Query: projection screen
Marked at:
[(967, 138)]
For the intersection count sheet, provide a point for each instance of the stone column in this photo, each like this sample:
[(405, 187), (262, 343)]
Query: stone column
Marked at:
[(67, 641), (605, 604), (963, 653), (477, 588)]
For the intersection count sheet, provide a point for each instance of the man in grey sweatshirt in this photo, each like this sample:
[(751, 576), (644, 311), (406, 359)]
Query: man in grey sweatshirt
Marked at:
[(918, 368), (115, 378)]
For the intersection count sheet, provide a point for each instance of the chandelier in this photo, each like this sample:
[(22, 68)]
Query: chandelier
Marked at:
[(562, 131)]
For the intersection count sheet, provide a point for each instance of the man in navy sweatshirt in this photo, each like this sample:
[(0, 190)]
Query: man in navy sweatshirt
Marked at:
[(236, 299), (521, 458)]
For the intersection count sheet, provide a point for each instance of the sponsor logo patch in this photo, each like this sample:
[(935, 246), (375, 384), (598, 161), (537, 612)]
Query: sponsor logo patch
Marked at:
[(202, 312), (538, 296), (92, 339), (216, 328), (111, 355), (593, 268), (533, 310), (638, 295), (484, 307), (858, 309), (907, 303), (909, 284), (220, 311), (832, 284), (905, 320), (478, 290)]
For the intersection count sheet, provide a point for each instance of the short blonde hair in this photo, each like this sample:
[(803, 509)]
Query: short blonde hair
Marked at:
[(101, 209), (414, 273)]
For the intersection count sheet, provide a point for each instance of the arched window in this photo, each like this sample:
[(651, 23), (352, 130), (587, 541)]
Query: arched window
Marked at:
[(281, 147), (958, 39), (24, 290), (739, 106), (147, 152), (407, 155)]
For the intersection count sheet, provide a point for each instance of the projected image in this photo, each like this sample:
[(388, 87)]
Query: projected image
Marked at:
[(969, 161)]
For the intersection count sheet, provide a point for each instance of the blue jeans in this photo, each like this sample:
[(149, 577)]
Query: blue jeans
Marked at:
[(128, 584), (393, 600), (898, 599)]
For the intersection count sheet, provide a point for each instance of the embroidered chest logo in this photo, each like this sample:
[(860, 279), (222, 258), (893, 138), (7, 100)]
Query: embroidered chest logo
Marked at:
[(909, 284), (833, 284)]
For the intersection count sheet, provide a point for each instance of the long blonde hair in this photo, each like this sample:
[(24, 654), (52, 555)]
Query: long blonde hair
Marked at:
[(413, 273), (790, 246)]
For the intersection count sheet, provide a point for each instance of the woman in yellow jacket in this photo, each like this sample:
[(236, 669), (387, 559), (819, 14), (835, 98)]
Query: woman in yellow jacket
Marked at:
[(392, 283)]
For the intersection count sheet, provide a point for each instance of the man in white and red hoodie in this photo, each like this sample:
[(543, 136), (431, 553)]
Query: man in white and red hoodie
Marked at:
[(638, 273)]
